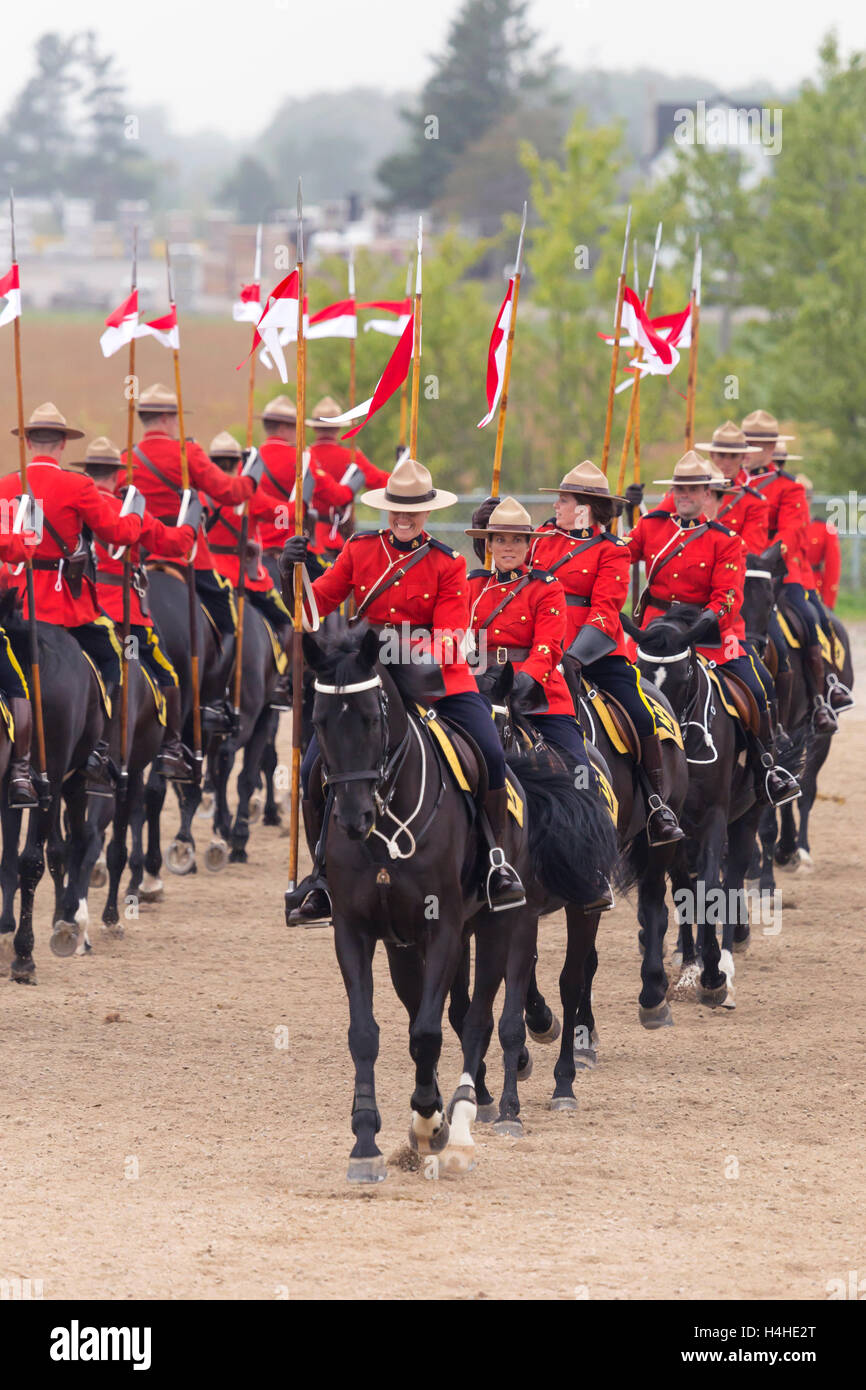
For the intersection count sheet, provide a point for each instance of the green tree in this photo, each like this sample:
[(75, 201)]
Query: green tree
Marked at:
[(250, 190), (114, 165), (37, 141), (489, 67)]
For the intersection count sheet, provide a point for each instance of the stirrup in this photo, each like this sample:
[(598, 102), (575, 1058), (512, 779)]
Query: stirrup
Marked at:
[(834, 684), (296, 897), (793, 790), (820, 704), (498, 861), (655, 804)]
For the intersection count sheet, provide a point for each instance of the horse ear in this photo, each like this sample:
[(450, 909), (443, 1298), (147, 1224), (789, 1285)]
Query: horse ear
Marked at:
[(312, 652), (631, 628), (368, 652)]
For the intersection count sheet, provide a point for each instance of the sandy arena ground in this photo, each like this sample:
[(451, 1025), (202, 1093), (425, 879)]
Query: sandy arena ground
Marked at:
[(178, 1152)]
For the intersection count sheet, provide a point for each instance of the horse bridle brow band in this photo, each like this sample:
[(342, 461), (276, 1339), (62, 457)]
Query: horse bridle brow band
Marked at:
[(662, 660), (758, 574), (353, 689)]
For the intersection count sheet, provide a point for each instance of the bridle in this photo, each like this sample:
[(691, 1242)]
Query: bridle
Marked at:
[(693, 691)]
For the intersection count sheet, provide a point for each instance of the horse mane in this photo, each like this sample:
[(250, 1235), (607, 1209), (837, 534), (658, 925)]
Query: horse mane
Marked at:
[(340, 661)]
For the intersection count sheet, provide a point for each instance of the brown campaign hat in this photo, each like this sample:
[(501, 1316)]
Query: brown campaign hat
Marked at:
[(281, 410), (691, 470), (158, 400), (409, 489), (224, 445), (102, 451), (718, 482), (48, 417), (508, 516), (761, 427), (728, 439), (585, 480), (323, 411), (781, 455)]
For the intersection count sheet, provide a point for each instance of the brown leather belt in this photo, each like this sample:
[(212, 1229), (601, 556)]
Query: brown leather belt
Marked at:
[(40, 564), (578, 600), (224, 550), (653, 602), (502, 654)]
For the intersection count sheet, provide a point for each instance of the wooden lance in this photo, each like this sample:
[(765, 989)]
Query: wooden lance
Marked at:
[(614, 366), (506, 378), (245, 515), (695, 316), (404, 389), (131, 396), (416, 354), (298, 615), (35, 681), (192, 598)]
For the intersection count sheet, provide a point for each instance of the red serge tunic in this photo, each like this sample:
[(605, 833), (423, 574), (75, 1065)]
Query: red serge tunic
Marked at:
[(433, 595), (825, 559), (278, 484), (788, 516), (533, 616), (224, 532), (709, 573), (745, 511), (333, 459), (170, 541), (595, 578), (69, 501), (162, 499)]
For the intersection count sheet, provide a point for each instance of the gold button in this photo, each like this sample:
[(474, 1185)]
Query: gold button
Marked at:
[(496, 632), (523, 617), (676, 576), (363, 587), (393, 610), (703, 564), (396, 583), (426, 595)]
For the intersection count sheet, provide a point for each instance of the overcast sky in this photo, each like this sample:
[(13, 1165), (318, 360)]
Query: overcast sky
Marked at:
[(227, 65)]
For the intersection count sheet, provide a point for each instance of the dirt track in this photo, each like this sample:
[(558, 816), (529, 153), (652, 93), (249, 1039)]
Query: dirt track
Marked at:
[(240, 1146)]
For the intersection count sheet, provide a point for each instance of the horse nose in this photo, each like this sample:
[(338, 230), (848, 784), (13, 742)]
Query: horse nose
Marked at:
[(356, 824)]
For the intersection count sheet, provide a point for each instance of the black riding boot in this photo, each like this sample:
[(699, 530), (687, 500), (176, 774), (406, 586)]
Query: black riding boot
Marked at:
[(823, 719), (502, 886), (839, 697), (774, 785), (102, 774), (662, 826), (175, 760), (310, 901), (22, 794), (784, 689)]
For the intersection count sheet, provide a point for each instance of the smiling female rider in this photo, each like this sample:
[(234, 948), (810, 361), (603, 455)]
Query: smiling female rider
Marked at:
[(403, 579)]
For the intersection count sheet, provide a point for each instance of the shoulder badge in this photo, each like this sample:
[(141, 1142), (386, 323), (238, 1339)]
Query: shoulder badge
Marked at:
[(479, 574), (717, 526), (445, 549), (543, 575), (659, 511), (359, 535)]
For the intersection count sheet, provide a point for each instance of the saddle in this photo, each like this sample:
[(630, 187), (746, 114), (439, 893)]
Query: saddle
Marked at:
[(462, 759), (795, 634), (736, 697), (617, 722)]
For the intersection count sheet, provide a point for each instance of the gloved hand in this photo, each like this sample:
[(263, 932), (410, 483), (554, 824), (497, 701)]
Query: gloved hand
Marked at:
[(294, 553), (194, 514), (525, 691), (253, 553), (254, 465), (480, 517), (706, 627), (135, 505), (634, 495)]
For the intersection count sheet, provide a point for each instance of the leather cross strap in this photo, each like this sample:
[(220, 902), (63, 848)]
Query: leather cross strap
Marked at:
[(727, 507), (521, 584), (278, 485), (396, 571), (656, 568), (232, 530), (157, 472), (578, 550)]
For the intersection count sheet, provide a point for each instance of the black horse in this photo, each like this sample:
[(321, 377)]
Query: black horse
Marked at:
[(73, 721), (404, 861), (721, 811)]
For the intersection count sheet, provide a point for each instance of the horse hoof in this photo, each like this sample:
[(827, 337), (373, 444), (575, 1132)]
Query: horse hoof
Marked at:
[(566, 1105), (180, 858), (23, 972), (216, 856), (432, 1143), (585, 1058), (272, 817), (659, 1016), (805, 862), (513, 1129), (64, 938), (525, 1071), (99, 873), (730, 1000), (551, 1034), (256, 806), (367, 1170), (238, 856), (151, 890), (205, 806), (712, 997), (457, 1160), (487, 1113)]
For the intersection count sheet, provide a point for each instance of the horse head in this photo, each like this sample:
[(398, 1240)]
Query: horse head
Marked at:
[(764, 575), (665, 654)]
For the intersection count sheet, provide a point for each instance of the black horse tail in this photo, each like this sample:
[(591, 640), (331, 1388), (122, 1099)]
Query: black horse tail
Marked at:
[(572, 839)]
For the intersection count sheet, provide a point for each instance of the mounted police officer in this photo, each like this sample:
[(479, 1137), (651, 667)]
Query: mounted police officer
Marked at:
[(403, 579)]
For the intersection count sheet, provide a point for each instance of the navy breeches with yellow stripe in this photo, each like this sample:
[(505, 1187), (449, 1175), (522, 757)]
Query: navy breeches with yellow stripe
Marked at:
[(12, 681), (564, 733), (99, 640), (621, 679), (744, 667), (152, 657)]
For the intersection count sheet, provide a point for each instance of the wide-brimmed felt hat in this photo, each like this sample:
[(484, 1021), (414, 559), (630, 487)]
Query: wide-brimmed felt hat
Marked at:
[(48, 417), (158, 400), (102, 451), (409, 489), (281, 410), (719, 483), (728, 439), (762, 428), (224, 445), (507, 518), (323, 411), (691, 470), (781, 455), (585, 480)]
